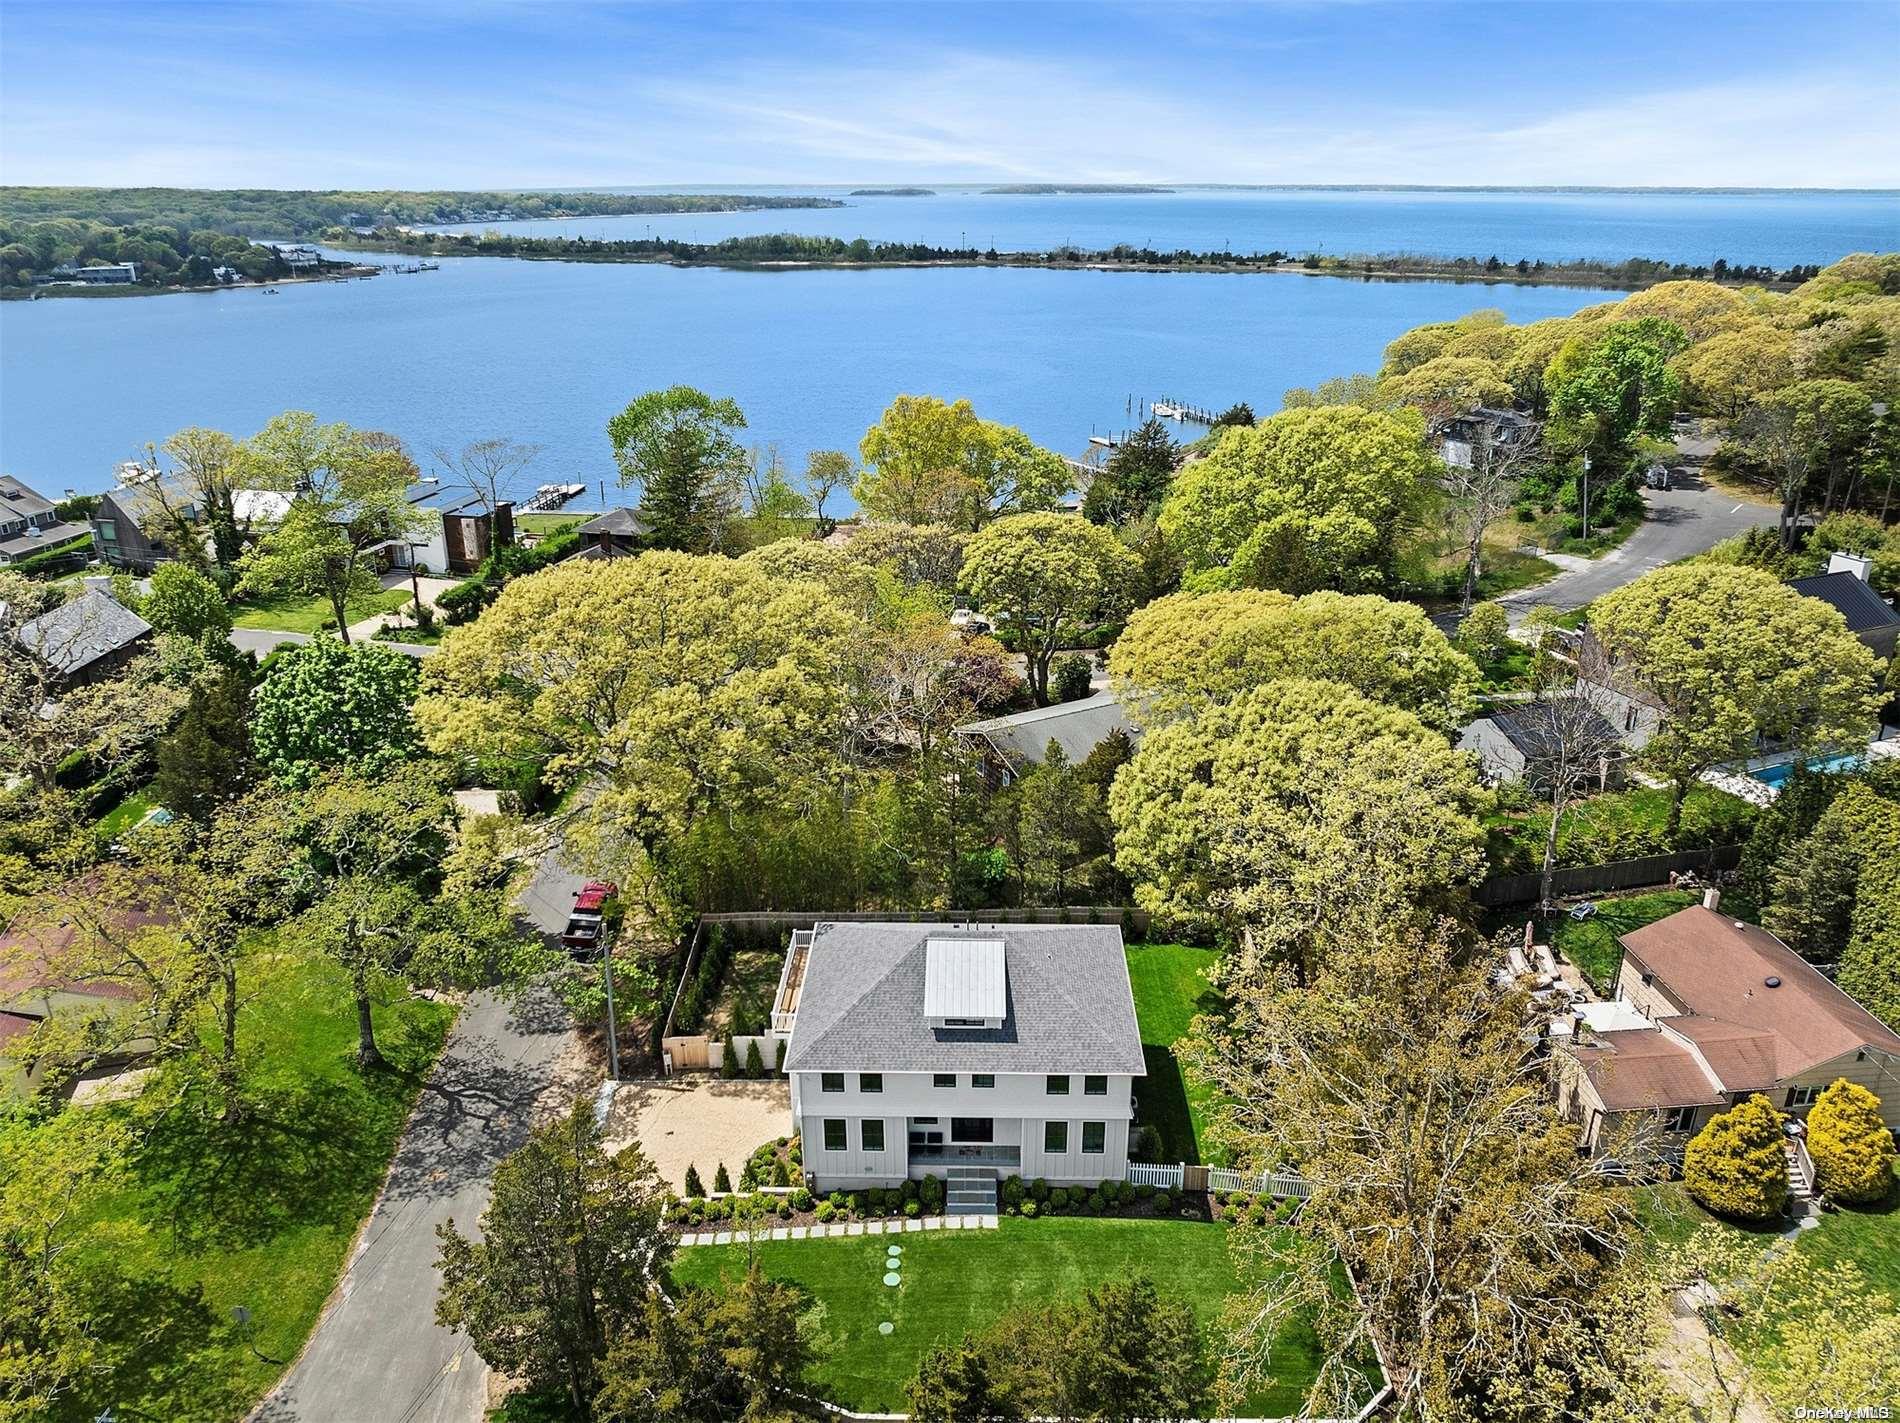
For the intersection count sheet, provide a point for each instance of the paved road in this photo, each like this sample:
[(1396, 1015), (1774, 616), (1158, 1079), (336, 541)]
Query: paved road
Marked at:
[(263, 640), (1683, 521), (377, 1355)]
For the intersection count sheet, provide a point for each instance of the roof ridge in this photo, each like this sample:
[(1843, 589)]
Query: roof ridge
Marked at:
[(869, 986)]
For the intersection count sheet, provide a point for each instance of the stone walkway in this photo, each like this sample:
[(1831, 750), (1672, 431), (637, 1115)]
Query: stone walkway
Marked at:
[(844, 1228)]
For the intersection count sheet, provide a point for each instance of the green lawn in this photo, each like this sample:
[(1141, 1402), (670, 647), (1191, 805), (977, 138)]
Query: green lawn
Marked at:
[(260, 1213), (128, 813), (542, 525), (957, 1282), (1622, 825), (292, 612), (1591, 945), (1170, 989)]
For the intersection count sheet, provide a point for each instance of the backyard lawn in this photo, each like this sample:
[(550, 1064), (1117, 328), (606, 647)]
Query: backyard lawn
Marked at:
[(1169, 991), (1591, 944), (1621, 825), (292, 612), (127, 813), (542, 525), (261, 1213), (958, 1281)]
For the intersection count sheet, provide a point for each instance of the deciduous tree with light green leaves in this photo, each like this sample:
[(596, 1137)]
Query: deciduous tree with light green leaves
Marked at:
[(1611, 385), (349, 493), (185, 602), (680, 681), (323, 706), (930, 461), (1449, 385), (1734, 656), (1181, 652), (1313, 498), (1050, 574), (1290, 806)]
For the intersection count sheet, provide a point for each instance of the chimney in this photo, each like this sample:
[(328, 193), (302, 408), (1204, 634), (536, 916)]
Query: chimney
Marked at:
[(1856, 564), (1711, 898)]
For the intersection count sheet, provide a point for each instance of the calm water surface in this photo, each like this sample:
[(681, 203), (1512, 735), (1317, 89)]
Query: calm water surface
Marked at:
[(547, 352), (1781, 229)]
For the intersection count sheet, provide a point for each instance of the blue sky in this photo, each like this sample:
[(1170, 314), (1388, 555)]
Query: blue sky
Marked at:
[(497, 93)]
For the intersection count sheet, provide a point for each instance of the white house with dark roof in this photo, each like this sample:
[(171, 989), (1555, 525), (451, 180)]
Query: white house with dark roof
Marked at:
[(969, 1052)]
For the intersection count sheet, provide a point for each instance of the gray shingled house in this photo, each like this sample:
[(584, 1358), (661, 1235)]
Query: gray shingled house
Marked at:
[(1011, 744), (970, 1052), (84, 639)]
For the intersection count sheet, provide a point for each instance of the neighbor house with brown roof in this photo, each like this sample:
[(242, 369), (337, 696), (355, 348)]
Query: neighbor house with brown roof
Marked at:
[(1732, 1011)]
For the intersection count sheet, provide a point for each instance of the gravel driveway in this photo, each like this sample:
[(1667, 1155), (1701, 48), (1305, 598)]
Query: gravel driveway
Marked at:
[(699, 1120)]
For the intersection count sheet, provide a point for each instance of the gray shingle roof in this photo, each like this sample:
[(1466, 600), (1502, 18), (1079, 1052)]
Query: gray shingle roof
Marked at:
[(1529, 728), (617, 521), (1863, 608), (72, 637), (1070, 1006), (1078, 727)]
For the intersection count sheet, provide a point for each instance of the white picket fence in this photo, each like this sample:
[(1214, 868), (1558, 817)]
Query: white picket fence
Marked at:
[(1220, 1178)]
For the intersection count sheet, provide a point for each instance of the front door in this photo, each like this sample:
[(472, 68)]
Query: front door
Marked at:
[(980, 1130)]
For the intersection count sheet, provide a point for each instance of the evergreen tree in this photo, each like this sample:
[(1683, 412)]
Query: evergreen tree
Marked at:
[(722, 1182), (677, 446), (754, 1064), (952, 1384), (1135, 477), (728, 1060), (1737, 1166), (205, 760), (1851, 1146), (694, 1186)]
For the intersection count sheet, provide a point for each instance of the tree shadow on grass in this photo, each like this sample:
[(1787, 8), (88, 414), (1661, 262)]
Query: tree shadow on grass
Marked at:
[(299, 1156), (1161, 1101), (165, 1351)]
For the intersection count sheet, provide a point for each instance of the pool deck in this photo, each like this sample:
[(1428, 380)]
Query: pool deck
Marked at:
[(1746, 784)]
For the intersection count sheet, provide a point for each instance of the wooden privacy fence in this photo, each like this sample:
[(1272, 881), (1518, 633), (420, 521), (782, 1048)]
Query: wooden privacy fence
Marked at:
[(1616, 874), (1181, 1176)]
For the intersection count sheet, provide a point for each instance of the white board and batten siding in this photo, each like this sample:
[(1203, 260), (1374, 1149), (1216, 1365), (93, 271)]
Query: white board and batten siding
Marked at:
[(854, 1166)]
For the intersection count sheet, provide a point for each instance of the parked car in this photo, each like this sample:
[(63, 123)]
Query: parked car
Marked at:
[(587, 920), (1660, 476)]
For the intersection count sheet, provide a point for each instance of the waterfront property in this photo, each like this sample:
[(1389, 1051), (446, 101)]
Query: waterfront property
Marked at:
[(1710, 1010), (969, 1052), (100, 274), (29, 524), (137, 524), (81, 641), (456, 533)]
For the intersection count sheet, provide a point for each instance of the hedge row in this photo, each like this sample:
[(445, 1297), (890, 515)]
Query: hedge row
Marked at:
[(464, 602)]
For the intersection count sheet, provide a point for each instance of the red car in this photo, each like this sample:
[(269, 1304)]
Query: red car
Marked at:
[(584, 921)]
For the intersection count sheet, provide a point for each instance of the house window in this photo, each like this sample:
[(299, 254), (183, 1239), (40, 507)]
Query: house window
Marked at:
[(834, 1134), (870, 1082), (963, 1022), (1678, 1119), (1799, 1097), (1094, 1138), (871, 1133), (831, 1082), (1055, 1138), (1056, 1086), (943, 1079), (1629, 718), (108, 531), (982, 1079), (977, 1130), (1094, 1086)]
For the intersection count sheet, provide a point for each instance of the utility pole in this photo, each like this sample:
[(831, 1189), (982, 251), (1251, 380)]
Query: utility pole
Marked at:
[(1586, 496), (613, 1040)]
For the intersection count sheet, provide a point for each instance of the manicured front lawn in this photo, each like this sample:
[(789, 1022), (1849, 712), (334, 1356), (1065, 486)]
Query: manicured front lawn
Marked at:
[(955, 1282), (127, 813), (1591, 944), (1171, 988), (292, 612), (260, 1213), (542, 525)]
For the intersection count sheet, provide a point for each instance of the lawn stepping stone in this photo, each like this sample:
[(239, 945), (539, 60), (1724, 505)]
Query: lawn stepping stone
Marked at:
[(886, 1327), (893, 1250), (891, 1277)]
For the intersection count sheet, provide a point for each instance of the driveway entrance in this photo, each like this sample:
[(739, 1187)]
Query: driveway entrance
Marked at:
[(699, 1121)]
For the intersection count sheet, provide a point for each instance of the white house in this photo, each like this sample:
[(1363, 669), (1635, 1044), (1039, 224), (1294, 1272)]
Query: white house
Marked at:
[(971, 1052)]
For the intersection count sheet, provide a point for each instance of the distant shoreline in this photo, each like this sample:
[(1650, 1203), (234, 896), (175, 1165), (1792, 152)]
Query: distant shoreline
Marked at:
[(56, 290)]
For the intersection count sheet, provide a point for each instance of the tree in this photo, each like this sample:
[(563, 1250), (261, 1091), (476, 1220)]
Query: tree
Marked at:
[(773, 507), (722, 1183), (349, 494), (185, 602), (1485, 631), (1483, 490), (1851, 1145), (1449, 385), (572, 1246), (1808, 427), (1613, 385), (489, 468), (1181, 652), (677, 445), (1816, 887), (361, 851), (1734, 657), (1244, 815), (1135, 478), (925, 462), (322, 705), (694, 1186), (681, 682), (733, 1353), (919, 555), (1019, 476), (826, 472), (1737, 1165), (1727, 373), (1072, 677), (1575, 743), (952, 1385), (1239, 413), (914, 681), (205, 761), (1870, 964), (208, 474), (1480, 1242), (1313, 498), (1050, 575)]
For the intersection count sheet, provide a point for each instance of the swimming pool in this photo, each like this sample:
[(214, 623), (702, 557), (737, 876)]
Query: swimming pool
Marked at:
[(1777, 776)]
